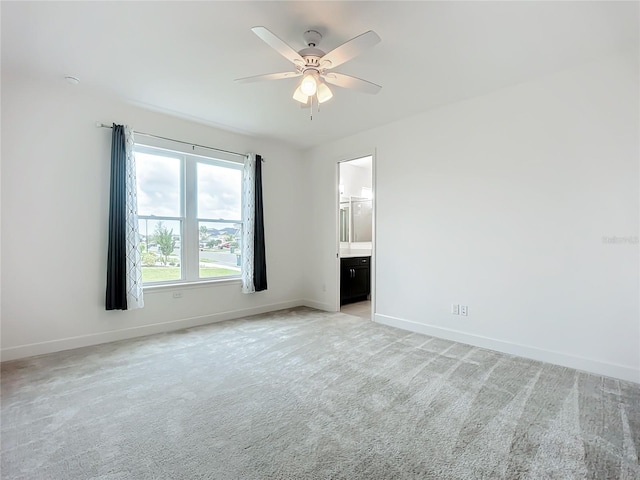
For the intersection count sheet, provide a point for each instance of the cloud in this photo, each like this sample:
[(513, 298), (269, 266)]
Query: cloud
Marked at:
[(158, 180), (219, 192)]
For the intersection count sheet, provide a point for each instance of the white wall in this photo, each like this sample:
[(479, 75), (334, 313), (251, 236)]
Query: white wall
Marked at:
[(55, 181), (353, 178), (501, 203)]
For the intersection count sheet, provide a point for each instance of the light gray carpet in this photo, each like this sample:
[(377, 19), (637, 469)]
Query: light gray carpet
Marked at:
[(303, 394)]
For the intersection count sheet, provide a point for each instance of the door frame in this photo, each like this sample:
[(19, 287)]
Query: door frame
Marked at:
[(370, 152)]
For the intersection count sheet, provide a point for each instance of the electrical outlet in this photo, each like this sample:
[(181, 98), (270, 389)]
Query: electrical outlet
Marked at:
[(455, 309), (177, 294), (464, 310)]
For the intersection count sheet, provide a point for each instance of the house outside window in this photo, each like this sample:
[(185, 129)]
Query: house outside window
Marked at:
[(189, 215)]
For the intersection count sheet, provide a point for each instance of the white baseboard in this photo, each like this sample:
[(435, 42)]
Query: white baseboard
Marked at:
[(579, 363), (318, 305), (41, 348)]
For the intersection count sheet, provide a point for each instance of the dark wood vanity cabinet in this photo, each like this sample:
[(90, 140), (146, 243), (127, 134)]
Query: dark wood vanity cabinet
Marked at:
[(355, 279)]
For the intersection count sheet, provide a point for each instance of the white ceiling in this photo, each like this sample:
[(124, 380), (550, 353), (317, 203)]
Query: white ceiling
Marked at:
[(182, 57)]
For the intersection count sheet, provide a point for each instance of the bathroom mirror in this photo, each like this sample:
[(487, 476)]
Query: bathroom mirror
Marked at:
[(356, 204)]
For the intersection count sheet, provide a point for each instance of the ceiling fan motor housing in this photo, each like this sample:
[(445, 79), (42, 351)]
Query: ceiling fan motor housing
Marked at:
[(311, 59), (311, 54)]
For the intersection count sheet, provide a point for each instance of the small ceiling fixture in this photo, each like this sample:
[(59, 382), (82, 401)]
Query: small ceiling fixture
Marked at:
[(313, 65), (72, 80)]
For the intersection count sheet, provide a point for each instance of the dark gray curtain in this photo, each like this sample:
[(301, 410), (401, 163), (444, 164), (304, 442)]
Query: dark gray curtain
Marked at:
[(260, 261), (116, 258)]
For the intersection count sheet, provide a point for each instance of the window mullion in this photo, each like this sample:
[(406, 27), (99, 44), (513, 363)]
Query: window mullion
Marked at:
[(190, 229)]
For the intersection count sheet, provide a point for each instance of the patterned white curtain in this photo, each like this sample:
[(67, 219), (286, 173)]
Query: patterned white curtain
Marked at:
[(134, 258), (248, 227)]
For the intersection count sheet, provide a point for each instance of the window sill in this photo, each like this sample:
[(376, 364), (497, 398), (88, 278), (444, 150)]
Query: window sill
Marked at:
[(189, 285)]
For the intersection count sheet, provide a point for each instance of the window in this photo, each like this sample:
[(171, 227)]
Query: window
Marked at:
[(189, 214)]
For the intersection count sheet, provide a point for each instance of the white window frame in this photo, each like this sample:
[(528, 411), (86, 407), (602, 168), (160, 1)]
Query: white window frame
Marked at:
[(189, 220)]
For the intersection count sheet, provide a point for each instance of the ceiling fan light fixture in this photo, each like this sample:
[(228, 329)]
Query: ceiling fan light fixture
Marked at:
[(309, 84), (300, 96), (324, 93), (312, 63)]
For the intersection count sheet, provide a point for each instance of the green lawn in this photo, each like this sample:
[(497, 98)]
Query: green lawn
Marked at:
[(162, 274), (217, 272)]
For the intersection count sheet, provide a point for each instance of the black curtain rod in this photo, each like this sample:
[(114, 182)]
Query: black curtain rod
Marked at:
[(98, 124)]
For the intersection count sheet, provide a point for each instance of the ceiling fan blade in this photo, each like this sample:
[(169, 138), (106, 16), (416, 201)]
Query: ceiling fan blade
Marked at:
[(278, 45), (268, 76), (347, 81), (349, 49)]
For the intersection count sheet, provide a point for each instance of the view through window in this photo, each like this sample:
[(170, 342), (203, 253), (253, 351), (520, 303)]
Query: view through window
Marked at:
[(189, 214)]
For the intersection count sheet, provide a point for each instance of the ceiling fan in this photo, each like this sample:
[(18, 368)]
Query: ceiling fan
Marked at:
[(315, 66)]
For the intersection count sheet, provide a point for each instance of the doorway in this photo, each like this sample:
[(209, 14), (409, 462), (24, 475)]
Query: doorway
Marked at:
[(356, 236)]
